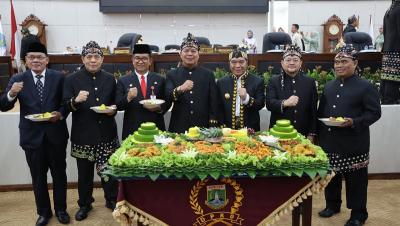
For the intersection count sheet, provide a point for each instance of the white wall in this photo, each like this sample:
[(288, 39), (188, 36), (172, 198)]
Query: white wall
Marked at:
[(73, 23), (310, 15), (280, 14)]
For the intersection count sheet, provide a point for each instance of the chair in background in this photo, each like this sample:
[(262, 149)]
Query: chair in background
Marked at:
[(359, 40), (203, 41), (128, 40), (273, 39), (172, 46), (154, 48)]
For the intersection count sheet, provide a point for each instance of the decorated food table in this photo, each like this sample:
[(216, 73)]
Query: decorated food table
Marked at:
[(216, 176)]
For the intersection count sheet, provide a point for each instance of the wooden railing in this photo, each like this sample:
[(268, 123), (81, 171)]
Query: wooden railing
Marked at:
[(254, 59)]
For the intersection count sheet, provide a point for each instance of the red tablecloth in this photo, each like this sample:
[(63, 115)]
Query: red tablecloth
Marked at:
[(239, 201)]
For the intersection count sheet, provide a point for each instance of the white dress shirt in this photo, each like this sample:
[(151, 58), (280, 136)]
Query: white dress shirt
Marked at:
[(10, 99), (140, 76)]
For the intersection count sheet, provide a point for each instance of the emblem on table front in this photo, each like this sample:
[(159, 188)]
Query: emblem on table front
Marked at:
[(216, 199)]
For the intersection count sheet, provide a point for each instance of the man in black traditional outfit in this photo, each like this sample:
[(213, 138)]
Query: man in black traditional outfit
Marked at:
[(93, 135), (357, 101), (242, 95), (193, 91), (293, 95), (390, 84), (141, 85)]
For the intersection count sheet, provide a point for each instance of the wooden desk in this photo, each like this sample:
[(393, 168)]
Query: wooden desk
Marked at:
[(162, 63), (5, 66), (254, 59), (5, 71), (261, 61)]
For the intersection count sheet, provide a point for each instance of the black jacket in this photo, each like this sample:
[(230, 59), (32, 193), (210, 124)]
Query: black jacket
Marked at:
[(304, 115), (354, 98), (89, 127), (32, 133), (197, 107), (251, 116), (135, 113), (391, 29)]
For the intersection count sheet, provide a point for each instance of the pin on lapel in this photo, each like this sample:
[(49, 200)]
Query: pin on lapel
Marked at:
[(227, 96), (130, 85), (155, 83), (152, 96)]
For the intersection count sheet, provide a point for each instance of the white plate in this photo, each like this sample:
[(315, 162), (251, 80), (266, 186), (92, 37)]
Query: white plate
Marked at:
[(275, 51), (37, 118), (368, 51), (152, 102), (108, 109), (328, 122)]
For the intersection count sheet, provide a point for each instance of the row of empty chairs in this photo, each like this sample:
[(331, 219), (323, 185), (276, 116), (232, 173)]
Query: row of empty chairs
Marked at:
[(272, 40), (360, 40)]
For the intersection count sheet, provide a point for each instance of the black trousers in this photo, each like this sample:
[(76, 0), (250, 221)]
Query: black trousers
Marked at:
[(356, 192), (390, 92), (85, 184), (40, 160)]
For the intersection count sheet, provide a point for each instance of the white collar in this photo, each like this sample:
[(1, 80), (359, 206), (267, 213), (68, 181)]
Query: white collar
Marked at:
[(140, 75), (43, 73)]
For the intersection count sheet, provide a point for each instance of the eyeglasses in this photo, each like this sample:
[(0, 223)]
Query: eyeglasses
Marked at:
[(38, 57), (143, 59)]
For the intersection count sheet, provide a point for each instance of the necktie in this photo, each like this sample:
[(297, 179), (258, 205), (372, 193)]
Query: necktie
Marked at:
[(143, 86), (39, 87)]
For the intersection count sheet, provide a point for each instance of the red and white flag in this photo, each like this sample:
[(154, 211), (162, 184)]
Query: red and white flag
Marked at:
[(15, 39)]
